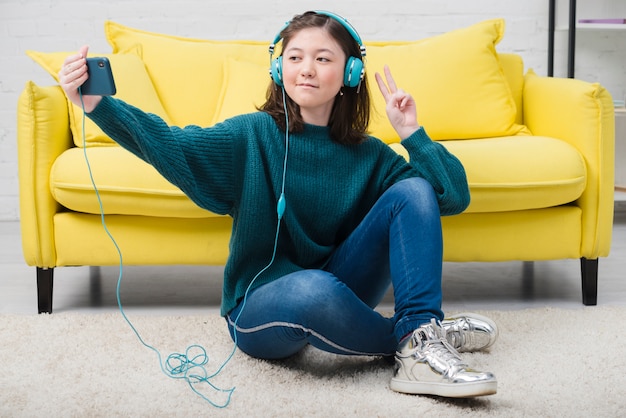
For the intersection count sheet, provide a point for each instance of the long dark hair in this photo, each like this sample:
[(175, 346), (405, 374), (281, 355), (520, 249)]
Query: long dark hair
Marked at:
[(351, 111)]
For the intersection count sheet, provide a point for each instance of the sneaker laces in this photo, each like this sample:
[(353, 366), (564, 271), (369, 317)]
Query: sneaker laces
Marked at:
[(440, 346)]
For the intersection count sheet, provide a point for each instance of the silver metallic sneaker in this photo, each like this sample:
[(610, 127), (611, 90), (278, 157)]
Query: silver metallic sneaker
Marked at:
[(426, 364), (469, 332)]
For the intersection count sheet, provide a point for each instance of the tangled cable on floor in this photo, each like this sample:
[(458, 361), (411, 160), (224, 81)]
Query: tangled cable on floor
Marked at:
[(189, 366)]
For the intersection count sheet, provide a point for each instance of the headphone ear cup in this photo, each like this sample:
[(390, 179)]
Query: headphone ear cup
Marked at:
[(353, 72), (276, 71)]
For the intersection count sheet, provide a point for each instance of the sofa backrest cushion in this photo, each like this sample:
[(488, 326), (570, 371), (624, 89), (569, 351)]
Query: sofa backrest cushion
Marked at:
[(187, 73), (513, 67), (463, 88), (133, 86), (244, 88), (456, 79)]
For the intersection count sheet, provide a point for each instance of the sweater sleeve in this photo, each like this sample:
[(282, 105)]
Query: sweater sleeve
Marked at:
[(443, 171), (197, 160)]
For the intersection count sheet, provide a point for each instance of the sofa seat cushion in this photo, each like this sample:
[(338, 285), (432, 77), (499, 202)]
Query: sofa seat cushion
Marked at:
[(518, 172), (126, 184), (504, 174)]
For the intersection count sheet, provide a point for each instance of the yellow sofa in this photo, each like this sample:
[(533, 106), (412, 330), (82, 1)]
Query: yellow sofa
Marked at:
[(539, 152)]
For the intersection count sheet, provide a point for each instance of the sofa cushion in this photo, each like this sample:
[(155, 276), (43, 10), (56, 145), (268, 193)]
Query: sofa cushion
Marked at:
[(126, 184), (244, 87), (513, 67), (456, 80), (189, 77), (518, 172), (133, 86), (504, 174), (187, 73)]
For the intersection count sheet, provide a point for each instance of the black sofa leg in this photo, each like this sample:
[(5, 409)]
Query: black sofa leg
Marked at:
[(589, 274), (45, 279)]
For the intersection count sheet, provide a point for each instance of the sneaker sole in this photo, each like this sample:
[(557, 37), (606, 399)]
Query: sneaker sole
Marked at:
[(448, 390)]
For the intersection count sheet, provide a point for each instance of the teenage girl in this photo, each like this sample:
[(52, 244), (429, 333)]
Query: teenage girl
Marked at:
[(325, 217)]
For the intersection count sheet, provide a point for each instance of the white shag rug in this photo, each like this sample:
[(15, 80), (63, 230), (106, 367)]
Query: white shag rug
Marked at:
[(549, 363)]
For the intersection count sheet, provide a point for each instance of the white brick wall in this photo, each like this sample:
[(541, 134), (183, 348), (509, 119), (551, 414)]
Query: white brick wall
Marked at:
[(61, 25)]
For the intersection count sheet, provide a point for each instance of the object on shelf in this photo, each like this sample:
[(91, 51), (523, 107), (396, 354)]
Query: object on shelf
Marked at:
[(606, 21)]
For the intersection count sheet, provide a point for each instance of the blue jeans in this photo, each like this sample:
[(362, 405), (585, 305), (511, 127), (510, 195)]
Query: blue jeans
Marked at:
[(398, 243)]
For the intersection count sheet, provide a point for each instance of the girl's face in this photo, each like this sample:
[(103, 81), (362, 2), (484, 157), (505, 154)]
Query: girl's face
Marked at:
[(313, 68)]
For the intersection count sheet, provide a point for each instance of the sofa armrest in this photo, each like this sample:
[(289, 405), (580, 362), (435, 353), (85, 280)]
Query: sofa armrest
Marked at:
[(581, 114), (43, 133)]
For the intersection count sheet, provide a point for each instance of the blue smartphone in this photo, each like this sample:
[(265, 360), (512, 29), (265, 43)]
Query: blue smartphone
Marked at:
[(100, 81)]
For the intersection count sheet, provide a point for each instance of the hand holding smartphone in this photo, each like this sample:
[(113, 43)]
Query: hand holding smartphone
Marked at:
[(100, 81)]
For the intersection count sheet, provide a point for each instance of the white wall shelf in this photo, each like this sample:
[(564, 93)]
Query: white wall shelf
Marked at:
[(595, 27), (567, 19)]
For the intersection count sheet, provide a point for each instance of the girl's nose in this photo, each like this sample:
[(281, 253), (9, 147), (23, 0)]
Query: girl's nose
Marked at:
[(307, 68)]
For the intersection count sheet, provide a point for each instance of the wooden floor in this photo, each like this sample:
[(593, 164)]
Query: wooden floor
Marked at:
[(175, 290)]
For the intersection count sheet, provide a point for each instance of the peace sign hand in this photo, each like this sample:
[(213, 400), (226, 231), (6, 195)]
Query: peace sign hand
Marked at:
[(401, 109)]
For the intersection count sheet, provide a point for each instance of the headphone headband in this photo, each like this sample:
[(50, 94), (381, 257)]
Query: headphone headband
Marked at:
[(342, 20), (354, 71)]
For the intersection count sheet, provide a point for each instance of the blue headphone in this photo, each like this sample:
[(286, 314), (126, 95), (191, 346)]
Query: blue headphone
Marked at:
[(354, 71)]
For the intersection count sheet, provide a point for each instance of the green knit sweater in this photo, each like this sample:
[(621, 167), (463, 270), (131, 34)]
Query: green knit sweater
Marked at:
[(236, 168)]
